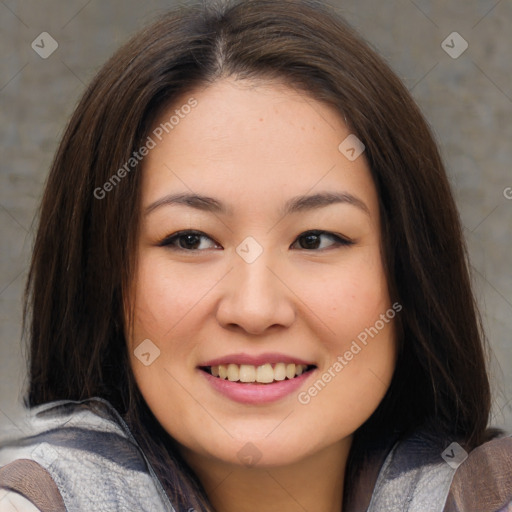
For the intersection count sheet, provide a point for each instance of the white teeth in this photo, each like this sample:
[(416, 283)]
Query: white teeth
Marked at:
[(280, 371), (290, 371), (247, 373), (233, 372), (263, 374)]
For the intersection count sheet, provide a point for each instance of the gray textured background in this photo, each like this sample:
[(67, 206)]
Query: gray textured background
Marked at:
[(467, 100)]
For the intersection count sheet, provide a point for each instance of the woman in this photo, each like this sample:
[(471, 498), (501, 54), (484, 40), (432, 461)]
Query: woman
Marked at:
[(249, 287)]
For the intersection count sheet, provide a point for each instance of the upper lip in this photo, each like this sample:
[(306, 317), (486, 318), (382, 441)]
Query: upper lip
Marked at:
[(257, 360)]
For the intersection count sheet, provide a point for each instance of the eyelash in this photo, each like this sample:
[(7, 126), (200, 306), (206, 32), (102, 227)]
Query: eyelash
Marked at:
[(171, 239)]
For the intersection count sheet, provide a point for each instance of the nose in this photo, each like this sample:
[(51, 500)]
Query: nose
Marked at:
[(255, 297)]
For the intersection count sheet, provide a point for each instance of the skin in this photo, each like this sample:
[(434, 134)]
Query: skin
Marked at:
[(253, 146)]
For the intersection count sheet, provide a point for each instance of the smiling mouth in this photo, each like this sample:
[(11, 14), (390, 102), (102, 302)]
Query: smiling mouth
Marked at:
[(263, 374)]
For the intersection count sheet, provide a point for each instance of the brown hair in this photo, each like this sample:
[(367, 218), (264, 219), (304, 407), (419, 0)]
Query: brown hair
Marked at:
[(84, 254)]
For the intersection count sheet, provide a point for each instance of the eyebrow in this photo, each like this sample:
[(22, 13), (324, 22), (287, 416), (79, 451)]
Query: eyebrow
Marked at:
[(293, 205)]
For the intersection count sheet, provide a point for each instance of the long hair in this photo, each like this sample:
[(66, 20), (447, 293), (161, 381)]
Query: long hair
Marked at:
[(84, 254)]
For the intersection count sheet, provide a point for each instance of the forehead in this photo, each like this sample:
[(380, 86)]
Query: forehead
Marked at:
[(253, 143)]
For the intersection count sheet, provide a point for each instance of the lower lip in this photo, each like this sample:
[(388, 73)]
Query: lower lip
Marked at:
[(255, 393)]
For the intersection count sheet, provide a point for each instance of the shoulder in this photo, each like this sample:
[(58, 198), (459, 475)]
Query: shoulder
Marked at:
[(14, 502), (58, 430), (91, 455), (484, 479), (24, 480), (428, 475), (31, 465)]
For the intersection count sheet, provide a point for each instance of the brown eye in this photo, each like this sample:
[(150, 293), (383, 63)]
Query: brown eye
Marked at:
[(313, 240), (185, 240), (189, 241)]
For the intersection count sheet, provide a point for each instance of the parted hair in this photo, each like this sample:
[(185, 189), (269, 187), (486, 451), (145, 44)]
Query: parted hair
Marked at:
[(84, 253)]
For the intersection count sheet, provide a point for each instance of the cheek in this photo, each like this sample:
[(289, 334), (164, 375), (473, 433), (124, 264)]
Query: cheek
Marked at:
[(164, 301), (353, 302), (353, 380), (160, 305), (348, 297), (165, 295)]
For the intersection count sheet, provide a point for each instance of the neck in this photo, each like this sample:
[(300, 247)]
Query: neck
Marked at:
[(312, 483)]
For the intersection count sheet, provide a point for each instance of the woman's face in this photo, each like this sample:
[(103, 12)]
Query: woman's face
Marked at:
[(282, 274)]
